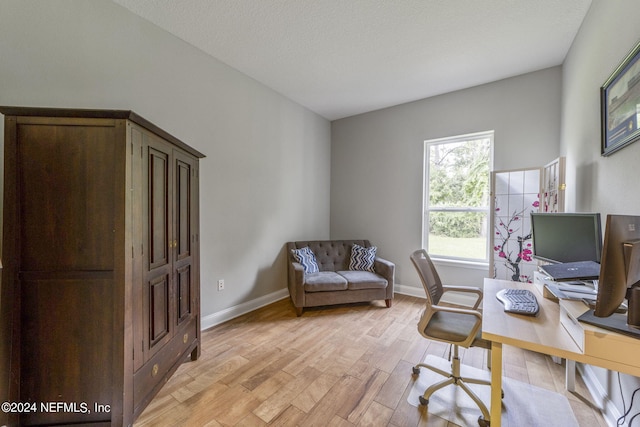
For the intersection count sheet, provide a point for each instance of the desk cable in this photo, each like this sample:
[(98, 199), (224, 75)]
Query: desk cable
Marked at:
[(621, 419)]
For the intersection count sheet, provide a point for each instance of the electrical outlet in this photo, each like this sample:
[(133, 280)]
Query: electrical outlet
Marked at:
[(221, 284)]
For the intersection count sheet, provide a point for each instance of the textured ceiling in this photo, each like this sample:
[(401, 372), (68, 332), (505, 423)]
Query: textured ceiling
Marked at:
[(344, 57)]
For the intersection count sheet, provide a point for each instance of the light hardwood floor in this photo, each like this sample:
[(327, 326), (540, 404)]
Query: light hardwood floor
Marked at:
[(338, 366)]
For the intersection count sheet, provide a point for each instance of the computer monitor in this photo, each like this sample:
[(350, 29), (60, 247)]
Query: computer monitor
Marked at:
[(620, 268), (566, 237)]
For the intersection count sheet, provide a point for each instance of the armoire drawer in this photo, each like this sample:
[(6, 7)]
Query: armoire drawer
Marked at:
[(150, 378)]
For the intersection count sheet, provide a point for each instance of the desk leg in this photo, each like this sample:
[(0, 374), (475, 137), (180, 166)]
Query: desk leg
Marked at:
[(570, 375), (496, 384)]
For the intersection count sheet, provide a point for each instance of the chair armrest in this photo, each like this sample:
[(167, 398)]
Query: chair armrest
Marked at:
[(468, 289), (458, 310)]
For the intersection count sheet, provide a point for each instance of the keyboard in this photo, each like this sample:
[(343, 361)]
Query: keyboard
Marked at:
[(520, 301)]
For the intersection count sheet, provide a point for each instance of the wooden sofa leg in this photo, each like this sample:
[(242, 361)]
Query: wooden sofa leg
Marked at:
[(388, 302), (299, 311)]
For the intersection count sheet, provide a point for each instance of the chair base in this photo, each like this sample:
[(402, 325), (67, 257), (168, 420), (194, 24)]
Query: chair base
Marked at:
[(454, 377)]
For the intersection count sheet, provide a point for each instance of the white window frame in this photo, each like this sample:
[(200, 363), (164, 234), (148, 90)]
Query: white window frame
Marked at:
[(426, 209)]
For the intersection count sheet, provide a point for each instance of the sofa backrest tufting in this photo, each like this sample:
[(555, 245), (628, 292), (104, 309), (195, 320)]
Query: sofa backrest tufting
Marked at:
[(331, 255)]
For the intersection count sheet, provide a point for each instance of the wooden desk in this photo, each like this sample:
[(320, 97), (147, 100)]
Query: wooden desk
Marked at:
[(545, 334)]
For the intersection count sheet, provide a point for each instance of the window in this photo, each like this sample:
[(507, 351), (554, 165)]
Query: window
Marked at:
[(456, 196)]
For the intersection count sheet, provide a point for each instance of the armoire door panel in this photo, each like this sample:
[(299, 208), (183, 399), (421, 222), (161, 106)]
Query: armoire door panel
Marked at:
[(184, 215), (159, 312), (182, 194), (158, 181), (66, 344), (66, 173), (183, 285)]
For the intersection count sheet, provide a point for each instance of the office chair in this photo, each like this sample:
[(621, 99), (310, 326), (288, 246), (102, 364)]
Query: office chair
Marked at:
[(453, 325)]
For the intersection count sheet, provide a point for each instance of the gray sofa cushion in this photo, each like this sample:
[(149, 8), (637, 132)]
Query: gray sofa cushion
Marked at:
[(324, 281), (363, 279)]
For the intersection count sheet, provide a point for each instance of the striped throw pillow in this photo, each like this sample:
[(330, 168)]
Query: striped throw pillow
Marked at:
[(307, 258), (362, 258)]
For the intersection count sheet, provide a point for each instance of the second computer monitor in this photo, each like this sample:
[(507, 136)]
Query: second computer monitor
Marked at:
[(566, 237)]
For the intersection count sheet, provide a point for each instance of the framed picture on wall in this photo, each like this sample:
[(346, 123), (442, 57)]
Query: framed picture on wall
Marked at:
[(620, 103)]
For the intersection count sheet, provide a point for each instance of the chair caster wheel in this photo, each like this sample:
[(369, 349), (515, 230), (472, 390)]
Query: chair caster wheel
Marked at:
[(482, 422), (423, 401), (416, 370)]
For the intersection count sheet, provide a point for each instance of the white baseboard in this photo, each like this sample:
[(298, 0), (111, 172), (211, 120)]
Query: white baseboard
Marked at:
[(450, 297), (412, 291), (214, 319), (599, 395)]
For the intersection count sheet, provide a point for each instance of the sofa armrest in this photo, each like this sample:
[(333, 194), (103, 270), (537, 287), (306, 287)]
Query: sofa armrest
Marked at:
[(384, 268), (387, 270), (296, 283)]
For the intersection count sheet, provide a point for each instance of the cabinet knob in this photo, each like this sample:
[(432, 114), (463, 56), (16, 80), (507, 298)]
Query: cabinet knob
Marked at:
[(185, 338), (154, 370)]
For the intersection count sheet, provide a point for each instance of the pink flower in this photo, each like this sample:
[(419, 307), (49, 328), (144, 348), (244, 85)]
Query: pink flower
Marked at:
[(502, 254), (525, 254), (536, 203)]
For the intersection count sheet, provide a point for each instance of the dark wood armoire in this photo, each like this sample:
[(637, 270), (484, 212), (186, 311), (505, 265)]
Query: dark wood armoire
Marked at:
[(100, 279)]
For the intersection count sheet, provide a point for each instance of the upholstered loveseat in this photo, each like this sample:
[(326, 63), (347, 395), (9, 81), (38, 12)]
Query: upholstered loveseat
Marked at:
[(345, 271)]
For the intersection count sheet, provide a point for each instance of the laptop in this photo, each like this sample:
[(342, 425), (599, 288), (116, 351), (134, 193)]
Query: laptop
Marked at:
[(580, 270)]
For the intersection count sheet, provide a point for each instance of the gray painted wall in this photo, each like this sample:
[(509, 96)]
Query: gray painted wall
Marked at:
[(595, 183), (265, 154), (602, 184), (377, 159)]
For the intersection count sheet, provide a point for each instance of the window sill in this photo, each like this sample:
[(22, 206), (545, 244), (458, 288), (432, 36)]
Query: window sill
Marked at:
[(459, 263)]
